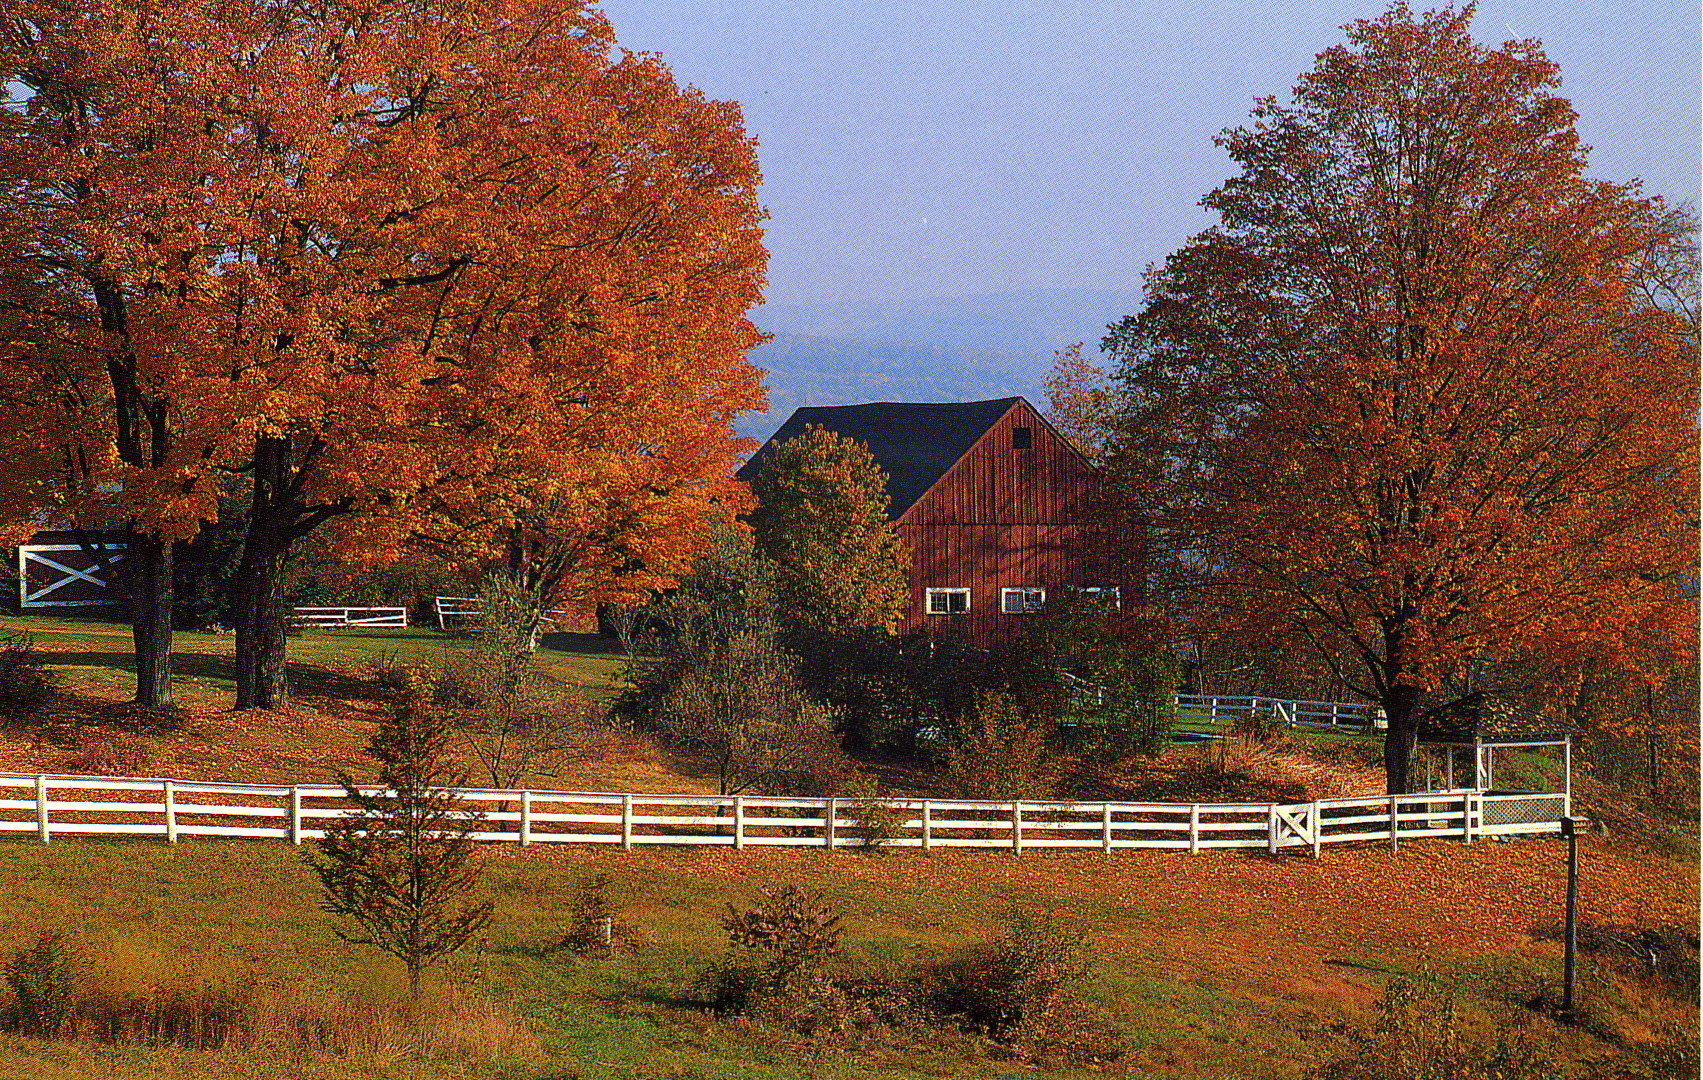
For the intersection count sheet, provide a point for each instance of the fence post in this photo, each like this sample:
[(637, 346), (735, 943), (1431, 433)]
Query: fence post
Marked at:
[(1271, 827), (1194, 828), (171, 812), (295, 815), (927, 824), (1017, 828), (1318, 828), (1106, 828), (42, 832), (830, 815), (1466, 818), (626, 823), (739, 823), (525, 818), (1395, 821)]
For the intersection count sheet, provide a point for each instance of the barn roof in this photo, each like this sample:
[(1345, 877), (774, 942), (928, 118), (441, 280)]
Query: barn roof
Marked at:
[(914, 443), (1489, 718)]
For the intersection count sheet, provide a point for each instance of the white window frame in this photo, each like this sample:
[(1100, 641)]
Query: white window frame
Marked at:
[(1110, 595), (1033, 599), (928, 596)]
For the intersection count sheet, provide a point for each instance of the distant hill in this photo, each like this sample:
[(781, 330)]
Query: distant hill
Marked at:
[(957, 349)]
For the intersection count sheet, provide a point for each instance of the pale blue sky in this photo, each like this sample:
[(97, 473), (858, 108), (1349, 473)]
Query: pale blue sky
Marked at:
[(938, 148)]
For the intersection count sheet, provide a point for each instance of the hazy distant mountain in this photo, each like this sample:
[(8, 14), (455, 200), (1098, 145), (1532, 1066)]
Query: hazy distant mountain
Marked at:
[(959, 349)]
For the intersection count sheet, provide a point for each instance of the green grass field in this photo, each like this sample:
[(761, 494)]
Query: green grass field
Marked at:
[(1217, 966), (96, 658)]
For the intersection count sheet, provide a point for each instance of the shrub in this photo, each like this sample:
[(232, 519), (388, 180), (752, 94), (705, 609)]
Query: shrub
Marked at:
[(25, 683), (1021, 991), (1418, 1033), (875, 820), (46, 979), (595, 929), (1003, 754), (777, 966), (1259, 725)]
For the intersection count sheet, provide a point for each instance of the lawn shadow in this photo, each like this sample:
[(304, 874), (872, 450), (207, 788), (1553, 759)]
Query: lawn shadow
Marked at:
[(582, 644), (221, 668)]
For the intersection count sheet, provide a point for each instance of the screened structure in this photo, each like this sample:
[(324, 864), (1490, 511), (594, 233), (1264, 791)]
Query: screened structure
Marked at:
[(1469, 736)]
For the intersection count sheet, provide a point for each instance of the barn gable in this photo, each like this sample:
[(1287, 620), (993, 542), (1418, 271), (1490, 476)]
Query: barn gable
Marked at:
[(994, 505)]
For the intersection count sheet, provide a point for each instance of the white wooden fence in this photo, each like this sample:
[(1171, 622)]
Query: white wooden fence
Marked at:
[(129, 806), (1287, 711), (350, 616)]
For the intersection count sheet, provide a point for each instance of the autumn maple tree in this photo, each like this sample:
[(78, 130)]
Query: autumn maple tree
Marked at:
[(416, 268), (821, 518), (1413, 400)]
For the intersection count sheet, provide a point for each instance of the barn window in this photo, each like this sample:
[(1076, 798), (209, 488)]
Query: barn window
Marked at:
[(946, 601), (1021, 438), (1025, 601)]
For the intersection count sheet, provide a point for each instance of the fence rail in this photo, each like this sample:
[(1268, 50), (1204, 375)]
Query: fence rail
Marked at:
[(133, 806), (350, 616), (1290, 712)]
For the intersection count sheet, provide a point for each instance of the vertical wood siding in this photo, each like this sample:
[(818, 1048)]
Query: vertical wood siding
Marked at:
[(1003, 517)]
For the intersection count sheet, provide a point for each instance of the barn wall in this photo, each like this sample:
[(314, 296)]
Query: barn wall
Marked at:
[(1004, 517)]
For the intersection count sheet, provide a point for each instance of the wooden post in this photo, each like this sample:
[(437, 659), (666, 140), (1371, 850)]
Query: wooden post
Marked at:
[(1395, 820), (830, 817), (1318, 828), (626, 823), (739, 823), (42, 832), (525, 819), (1106, 828), (1271, 827), (927, 825), (1466, 817), (295, 815), (171, 813), (1570, 972), (1194, 828), (1017, 827), (1567, 776)]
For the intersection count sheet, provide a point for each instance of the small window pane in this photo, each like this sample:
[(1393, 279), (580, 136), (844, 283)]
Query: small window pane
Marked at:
[(946, 601), (1022, 601), (1020, 438)]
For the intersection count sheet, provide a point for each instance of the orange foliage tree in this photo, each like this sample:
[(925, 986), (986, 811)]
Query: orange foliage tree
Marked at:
[(410, 265), (1410, 401)]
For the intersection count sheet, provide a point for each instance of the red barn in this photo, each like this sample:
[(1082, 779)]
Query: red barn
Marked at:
[(995, 506)]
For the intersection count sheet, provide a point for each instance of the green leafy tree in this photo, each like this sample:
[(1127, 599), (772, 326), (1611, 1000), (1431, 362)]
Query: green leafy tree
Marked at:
[(402, 866), (821, 518)]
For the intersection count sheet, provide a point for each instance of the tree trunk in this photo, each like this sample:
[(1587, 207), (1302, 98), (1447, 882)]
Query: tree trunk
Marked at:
[(260, 616), (1401, 739), (148, 573)]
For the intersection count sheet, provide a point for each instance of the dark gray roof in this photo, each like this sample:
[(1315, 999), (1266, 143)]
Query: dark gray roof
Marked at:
[(914, 442)]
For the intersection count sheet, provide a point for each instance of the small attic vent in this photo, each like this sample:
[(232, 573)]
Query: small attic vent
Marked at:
[(1021, 438)]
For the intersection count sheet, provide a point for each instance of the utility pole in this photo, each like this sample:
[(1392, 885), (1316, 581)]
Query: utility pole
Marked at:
[(1569, 829)]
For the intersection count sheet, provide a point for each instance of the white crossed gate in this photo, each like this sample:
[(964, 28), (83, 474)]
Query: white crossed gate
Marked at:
[(51, 574)]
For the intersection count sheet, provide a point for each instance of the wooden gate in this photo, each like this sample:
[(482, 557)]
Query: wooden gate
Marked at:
[(65, 575)]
